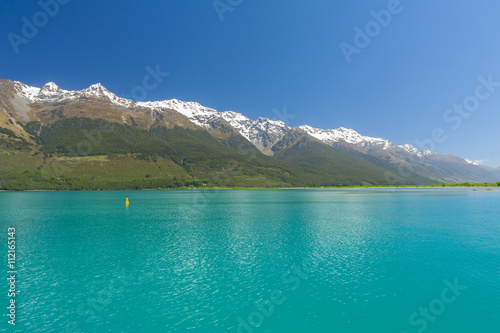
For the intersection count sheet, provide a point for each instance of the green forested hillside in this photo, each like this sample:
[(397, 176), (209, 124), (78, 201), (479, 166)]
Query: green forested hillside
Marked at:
[(347, 169), (82, 153)]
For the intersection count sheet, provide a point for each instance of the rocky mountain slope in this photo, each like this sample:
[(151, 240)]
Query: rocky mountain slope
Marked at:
[(23, 106)]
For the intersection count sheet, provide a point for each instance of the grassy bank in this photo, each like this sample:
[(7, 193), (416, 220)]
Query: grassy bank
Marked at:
[(34, 182)]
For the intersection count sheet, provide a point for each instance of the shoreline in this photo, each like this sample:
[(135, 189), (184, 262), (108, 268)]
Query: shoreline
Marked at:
[(472, 187)]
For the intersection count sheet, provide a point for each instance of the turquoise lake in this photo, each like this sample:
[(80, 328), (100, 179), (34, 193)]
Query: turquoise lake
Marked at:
[(347, 260)]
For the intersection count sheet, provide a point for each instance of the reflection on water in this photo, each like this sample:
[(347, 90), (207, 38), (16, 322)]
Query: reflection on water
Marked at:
[(361, 260)]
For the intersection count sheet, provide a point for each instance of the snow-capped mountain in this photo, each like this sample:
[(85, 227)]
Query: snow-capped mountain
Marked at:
[(263, 133), (310, 147), (51, 92), (332, 136), (477, 163), (197, 113)]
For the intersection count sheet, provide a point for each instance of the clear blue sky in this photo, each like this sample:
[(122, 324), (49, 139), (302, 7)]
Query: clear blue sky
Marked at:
[(271, 54)]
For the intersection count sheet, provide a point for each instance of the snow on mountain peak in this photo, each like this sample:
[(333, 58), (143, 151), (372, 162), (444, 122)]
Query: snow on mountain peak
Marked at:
[(263, 133), (25, 90), (278, 123), (197, 113), (51, 92), (426, 152), (476, 163), (98, 90), (332, 136), (411, 149), (50, 87)]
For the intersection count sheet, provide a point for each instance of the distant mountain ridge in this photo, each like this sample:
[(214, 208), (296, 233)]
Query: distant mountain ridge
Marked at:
[(21, 104), (261, 132)]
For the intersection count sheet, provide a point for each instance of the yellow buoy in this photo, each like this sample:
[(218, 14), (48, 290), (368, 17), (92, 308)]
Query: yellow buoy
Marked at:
[(126, 202)]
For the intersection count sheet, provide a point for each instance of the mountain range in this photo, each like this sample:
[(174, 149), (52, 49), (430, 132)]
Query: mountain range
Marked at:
[(92, 138)]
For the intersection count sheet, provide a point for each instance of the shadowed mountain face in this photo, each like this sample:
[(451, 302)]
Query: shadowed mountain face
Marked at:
[(104, 140)]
